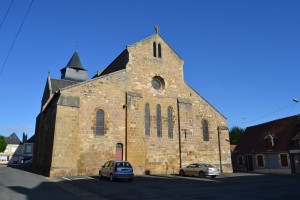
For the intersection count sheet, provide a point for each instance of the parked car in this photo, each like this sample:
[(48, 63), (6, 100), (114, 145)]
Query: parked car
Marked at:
[(25, 161), (199, 169), (28, 162), (116, 170)]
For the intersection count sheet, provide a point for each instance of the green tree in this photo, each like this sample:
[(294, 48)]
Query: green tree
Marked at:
[(2, 143), (235, 133)]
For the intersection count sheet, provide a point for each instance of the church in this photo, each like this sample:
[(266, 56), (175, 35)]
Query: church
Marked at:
[(139, 109)]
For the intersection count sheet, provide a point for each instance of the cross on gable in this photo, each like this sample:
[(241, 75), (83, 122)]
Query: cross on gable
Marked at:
[(156, 29)]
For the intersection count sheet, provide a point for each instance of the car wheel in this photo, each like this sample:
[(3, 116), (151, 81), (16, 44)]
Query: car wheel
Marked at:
[(111, 177), (213, 176), (181, 173), (201, 174), (100, 174)]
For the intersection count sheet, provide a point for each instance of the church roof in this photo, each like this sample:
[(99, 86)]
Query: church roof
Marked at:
[(74, 62), (57, 84), (12, 139), (118, 64)]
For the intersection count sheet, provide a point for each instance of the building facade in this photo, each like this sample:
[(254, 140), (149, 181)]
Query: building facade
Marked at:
[(271, 147), (13, 151), (139, 109)]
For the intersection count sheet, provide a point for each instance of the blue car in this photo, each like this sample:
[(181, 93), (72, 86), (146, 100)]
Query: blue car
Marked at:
[(114, 169)]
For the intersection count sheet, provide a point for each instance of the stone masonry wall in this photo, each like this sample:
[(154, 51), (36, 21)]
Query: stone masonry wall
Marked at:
[(127, 91)]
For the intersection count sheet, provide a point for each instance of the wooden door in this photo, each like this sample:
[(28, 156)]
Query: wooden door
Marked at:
[(249, 163), (119, 151)]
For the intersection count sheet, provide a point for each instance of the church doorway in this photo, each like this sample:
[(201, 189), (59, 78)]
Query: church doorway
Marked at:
[(119, 151)]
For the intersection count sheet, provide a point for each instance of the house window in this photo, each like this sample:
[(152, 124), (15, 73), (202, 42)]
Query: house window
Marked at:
[(158, 121), (159, 50), (260, 160), (3, 158), (205, 130), (100, 122), (240, 160), (170, 124), (284, 160), (28, 149), (147, 119), (154, 49)]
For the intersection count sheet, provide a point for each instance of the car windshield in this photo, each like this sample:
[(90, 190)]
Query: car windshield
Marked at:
[(207, 165), (123, 164)]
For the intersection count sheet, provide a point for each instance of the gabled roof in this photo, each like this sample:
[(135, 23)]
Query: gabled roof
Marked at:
[(156, 34), (12, 139), (30, 140), (74, 62), (57, 84), (118, 64), (254, 140), (121, 61)]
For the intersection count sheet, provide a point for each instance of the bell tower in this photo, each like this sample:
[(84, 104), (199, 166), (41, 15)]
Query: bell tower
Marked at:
[(74, 70)]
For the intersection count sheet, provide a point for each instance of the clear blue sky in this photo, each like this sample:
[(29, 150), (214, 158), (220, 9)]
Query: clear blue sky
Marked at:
[(242, 56)]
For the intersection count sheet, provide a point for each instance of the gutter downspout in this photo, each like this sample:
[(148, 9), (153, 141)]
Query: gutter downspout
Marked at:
[(179, 135), (125, 106)]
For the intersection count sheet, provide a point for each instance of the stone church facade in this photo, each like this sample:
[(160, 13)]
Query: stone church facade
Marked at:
[(139, 109)]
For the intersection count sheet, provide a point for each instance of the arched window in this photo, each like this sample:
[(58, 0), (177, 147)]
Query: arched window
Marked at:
[(159, 50), (147, 119), (170, 124), (158, 121), (100, 122), (205, 130), (154, 49)]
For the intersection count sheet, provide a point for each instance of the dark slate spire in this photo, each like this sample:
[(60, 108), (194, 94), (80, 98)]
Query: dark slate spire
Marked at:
[(75, 62), (74, 70)]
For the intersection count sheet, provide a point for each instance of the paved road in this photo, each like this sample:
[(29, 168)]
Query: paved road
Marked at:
[(22, 185), (17, 184)]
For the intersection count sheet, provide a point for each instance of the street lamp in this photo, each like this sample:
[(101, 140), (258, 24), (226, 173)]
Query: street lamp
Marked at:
[(220, 128)]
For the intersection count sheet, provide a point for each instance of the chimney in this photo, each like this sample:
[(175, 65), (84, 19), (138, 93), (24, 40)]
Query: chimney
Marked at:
[(24, 138)]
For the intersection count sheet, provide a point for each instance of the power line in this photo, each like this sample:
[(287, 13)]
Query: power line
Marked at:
[(6, 13), (3, 65), (269, 114), (296, 101)]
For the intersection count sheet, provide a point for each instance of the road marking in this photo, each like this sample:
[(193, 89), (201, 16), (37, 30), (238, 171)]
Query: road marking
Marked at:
[(66, 178), (76, 178)]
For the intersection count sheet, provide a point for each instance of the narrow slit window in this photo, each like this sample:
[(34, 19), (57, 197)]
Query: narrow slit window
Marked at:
[(158, 121), (154, 49), (147, 119), (100, 122), (170, 124), (205, 130), (159, 50)]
